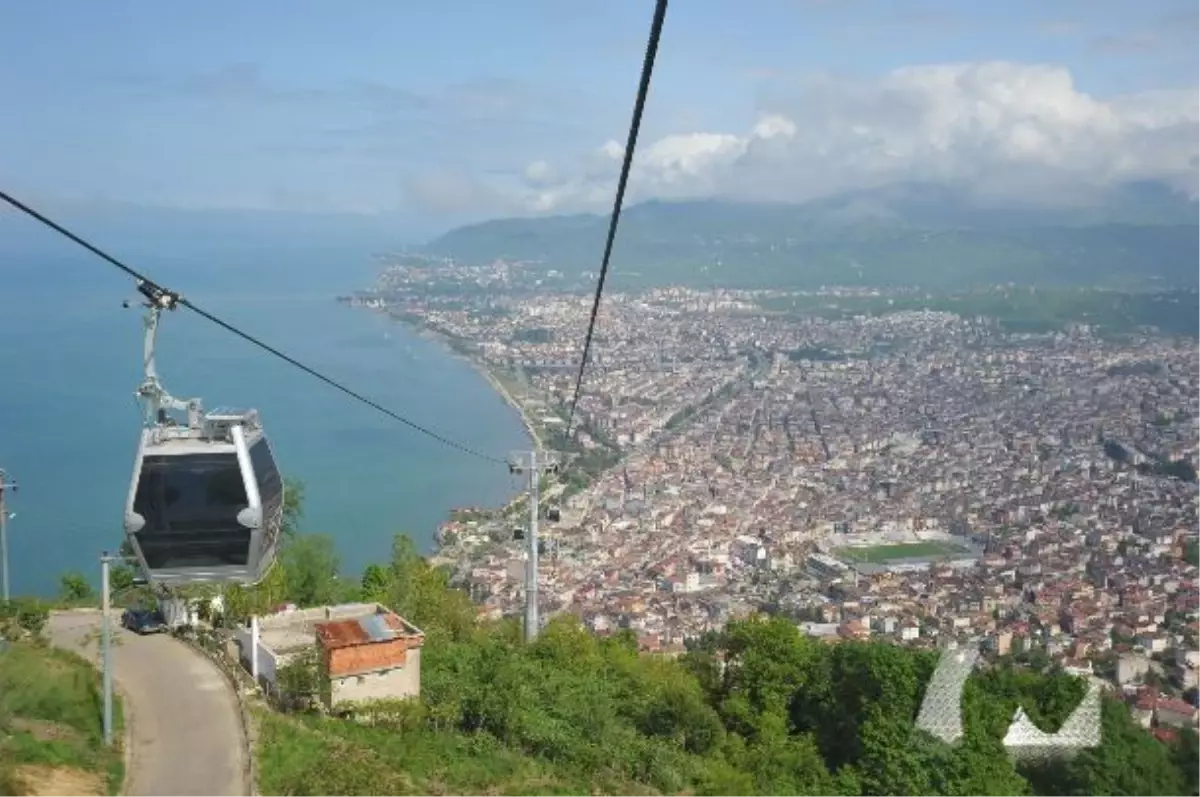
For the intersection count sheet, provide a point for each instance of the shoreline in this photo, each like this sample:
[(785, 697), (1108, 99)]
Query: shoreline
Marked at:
[(447, 343), (487, 373), (511, 400)]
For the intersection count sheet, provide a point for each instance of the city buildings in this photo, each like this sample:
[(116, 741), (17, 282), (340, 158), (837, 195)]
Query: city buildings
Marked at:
[(915, 476)]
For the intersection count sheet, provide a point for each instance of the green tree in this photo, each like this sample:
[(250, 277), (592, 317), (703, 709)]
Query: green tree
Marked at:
[(675, 708), (73, 588), (766, 662), (121, 578), (302, 682), (375, 583), (310, 565), (241, 601), (293, 505), (889, 763), (1191, 552), (785, 764), (423, 595), (974, 766), (1128, 761), (1185, 753)]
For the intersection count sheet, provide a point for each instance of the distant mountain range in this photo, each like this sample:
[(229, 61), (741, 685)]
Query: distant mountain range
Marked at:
[(905, 234)]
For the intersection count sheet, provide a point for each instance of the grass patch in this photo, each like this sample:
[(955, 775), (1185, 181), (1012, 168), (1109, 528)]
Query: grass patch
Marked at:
[(51, 722), (876, 554), (295, 754)]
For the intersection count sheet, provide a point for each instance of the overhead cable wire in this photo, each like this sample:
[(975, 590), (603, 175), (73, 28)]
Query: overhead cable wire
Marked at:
[(141, 278), (660, 13)]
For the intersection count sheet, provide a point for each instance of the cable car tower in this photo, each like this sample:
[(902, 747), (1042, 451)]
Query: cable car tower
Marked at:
[(205, 502)]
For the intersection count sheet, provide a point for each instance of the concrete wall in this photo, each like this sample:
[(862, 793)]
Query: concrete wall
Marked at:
[(390, 684), (267, 660)]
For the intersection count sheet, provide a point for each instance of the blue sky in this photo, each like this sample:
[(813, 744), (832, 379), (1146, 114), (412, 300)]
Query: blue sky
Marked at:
[(472, 108)]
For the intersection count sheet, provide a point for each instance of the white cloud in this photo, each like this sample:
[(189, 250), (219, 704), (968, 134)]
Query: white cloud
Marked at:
[(1000, 127), (453, 193), (538, 173)]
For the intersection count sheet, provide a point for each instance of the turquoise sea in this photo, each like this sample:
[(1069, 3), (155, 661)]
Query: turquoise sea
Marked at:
[(70, 360)]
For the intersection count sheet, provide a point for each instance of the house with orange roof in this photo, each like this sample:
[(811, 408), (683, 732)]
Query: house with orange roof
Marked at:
[(376, 655)]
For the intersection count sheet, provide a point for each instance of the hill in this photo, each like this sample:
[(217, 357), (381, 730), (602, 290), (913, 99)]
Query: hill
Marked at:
[(757, 708), (51, 739), (905, 234)]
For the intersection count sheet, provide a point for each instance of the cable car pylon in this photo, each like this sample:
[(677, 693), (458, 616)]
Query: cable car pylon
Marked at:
[(535, 464)]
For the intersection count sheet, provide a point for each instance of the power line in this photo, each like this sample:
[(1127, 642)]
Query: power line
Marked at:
[(177, 299), (660, 13)]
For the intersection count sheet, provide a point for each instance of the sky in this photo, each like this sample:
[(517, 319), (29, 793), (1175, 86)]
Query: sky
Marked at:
[(454, 111)]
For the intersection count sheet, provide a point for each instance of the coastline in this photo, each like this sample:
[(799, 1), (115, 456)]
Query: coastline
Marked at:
[(458, 535), (509, 399), (448, 344), (486, 372)]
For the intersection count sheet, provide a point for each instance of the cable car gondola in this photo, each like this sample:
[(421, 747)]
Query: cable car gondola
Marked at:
[(206, 499)]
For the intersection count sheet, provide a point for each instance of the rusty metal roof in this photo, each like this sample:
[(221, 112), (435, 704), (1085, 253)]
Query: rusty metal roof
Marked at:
[(381, 627), (340, 634)]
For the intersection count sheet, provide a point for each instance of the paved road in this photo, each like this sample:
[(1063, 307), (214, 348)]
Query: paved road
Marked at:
[(185, 728)]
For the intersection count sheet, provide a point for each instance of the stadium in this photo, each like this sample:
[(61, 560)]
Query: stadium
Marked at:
[(900, 551)]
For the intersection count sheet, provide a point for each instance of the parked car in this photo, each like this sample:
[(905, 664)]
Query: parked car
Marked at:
[(144, 621)]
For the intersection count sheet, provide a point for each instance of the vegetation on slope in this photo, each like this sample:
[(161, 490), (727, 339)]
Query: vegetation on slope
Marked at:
[(755, 709), (897, 235), (51, 739), (1016, 310)]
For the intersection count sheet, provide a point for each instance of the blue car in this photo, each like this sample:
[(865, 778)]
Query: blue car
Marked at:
[(144, 621)]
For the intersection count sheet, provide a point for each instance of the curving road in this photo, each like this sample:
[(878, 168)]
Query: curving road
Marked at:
[(185, 729)]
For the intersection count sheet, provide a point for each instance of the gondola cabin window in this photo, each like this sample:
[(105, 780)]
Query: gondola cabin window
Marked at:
[(190, 505)]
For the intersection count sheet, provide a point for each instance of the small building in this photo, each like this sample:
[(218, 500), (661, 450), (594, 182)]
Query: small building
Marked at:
[(366, 650), (1132, 667), (372, 657), (1175, 713)]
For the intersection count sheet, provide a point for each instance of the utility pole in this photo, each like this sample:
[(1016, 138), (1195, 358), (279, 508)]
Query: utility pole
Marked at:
[(106, 650), (106, 642), (5, 484), (536, 464)]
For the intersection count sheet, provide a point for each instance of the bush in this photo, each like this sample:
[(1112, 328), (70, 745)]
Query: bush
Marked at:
[(396, 715), (23, 616), (301, 683)]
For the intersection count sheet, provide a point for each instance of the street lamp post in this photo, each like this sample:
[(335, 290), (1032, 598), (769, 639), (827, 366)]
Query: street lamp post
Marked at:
[(5, 484), (106, 642)]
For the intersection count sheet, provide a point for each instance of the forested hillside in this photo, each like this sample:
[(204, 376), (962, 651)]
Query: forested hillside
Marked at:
[(784, 714), (757, 708), (908, 234)]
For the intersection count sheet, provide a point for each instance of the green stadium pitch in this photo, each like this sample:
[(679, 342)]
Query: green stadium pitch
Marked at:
[(879, 554)]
